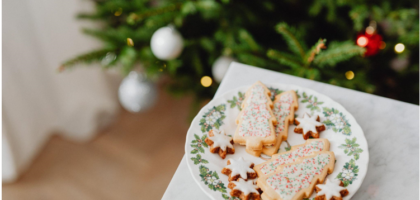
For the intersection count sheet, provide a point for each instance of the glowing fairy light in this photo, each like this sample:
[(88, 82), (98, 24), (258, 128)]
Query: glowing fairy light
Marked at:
[(130, 42), (206, 81), (382, 45), (362, 41), (399, 48), (118, 12), (349, 75)]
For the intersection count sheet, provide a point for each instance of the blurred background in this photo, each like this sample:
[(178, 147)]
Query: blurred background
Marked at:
[(98, 95)]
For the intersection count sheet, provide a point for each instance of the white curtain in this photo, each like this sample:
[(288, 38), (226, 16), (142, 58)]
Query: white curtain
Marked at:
[(37, 101)]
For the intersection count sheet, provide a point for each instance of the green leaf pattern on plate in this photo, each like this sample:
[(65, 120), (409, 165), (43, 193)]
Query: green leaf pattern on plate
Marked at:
[(211, 179), (274, 92), (213, 118), (313, 103), (237, 101), (198, 144), (349, 173), (337, 121), (198, 160), (351, 148)]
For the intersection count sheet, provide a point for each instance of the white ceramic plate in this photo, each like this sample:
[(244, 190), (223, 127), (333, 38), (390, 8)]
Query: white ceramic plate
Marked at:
[(347, 140)]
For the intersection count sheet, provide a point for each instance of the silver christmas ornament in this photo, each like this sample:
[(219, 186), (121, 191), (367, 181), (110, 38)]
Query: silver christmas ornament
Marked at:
[(399, 64), (220, 66), (136, 93), (167, 43)]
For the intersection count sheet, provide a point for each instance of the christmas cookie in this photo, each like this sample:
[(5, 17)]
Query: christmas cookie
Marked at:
[(256, 121), (239, 169), (298, 151), (309, 126), (244, 189), (220, 143), (331, 190), (297, 180), (285, 105)]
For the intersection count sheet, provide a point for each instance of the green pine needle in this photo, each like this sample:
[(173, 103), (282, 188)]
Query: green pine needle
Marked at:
[(315, 49), (338, 52), (289, 35), (86, 58), (285, 58)]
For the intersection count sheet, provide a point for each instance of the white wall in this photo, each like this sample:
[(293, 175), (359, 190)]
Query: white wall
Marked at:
[(38, 35)]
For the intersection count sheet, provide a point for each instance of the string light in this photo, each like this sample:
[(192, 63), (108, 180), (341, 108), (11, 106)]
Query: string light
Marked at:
[(399, 48), (362, 41), (118, 12), (382, 45), (130, 42), (206, 81), (349, 75), (370, 30)]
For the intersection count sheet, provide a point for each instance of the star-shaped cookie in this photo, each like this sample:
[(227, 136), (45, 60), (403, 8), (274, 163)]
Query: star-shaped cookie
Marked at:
[(220, 143), (239, 168), (309, 126), (331, 190), (244, 189)]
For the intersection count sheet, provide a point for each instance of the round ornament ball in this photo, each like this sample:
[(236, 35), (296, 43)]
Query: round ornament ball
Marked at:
[(220, 66), (167, 43), (372, 43), (136, 93)]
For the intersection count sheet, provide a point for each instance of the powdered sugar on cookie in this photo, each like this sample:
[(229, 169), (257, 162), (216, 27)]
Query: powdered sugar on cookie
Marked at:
[(220, 139), (309, 126), (241, 167), (308, 123), (330, 189), (246, 187)]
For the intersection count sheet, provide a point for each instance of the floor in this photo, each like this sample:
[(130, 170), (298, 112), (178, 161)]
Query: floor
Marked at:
[(134, 158)]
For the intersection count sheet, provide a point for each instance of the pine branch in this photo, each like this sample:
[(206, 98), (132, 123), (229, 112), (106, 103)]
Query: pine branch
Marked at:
[(338, 52), (140, 16), (289, 35), (90, 16), (248, 39), (127, 58), (252, 59), (315, 50), (85, 58), (285, 58), (104, 35)]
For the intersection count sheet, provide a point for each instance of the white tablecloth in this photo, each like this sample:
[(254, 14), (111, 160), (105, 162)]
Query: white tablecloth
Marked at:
[(391, 129)]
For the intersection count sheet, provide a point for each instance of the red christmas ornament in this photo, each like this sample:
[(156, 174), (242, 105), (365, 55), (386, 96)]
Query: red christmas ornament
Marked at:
[(372, 43)]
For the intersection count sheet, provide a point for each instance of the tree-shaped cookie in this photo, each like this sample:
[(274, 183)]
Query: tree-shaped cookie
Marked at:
[(331, 190), (285, 105), (309, 126), (239, 168), (298, 151), (256, 120), (297, 180), (244, 189), (220, 143)]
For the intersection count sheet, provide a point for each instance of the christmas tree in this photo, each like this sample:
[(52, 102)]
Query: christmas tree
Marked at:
[(368, 46)]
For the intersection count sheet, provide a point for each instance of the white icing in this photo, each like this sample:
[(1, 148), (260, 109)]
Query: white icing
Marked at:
[(240, 167), (257, 95), (308, 123), (245, 186), (298, 176), (256, 116), (330, 189), (221, 140)]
